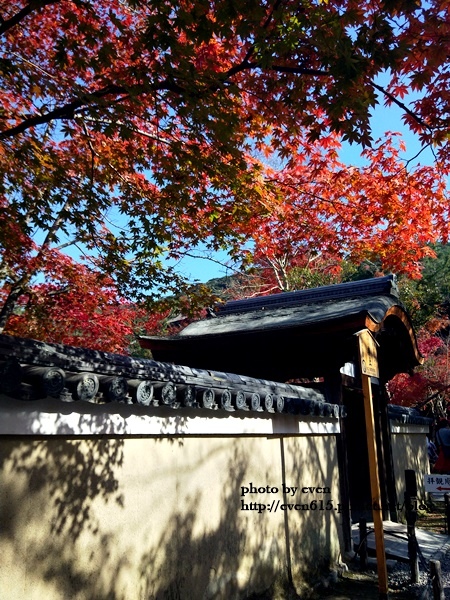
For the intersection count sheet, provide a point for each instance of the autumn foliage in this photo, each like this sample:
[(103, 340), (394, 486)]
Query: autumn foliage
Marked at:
[(428, 303), (428, 388), (134, 132), (78, 306), (328, 212)]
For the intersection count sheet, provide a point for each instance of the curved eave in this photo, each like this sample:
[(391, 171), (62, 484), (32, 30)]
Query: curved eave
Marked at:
[(401, 321), (305, 341)]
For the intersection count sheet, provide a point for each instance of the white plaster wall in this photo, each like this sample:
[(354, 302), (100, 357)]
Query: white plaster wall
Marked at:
[(139, 516)]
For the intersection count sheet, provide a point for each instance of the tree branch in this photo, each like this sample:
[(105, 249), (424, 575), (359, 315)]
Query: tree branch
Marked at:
[(132, 128), (7, 24), (403, 106), (208, 258), (247, 65), (67, 111), (432, 397), (298, 70)]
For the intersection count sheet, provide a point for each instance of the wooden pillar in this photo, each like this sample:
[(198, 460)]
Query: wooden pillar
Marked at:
[(382, 428), (369, 368), (333, 394), (389, 460), (436, 579), (411, 517)]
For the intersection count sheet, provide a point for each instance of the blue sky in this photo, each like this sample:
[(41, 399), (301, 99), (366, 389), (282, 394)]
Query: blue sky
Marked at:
[(383, 119), (200, 265)]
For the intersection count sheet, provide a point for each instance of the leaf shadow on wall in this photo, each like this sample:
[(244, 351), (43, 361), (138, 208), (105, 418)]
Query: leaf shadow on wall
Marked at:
[(209, 562), (312, 532), (222, 557), (47, 502)]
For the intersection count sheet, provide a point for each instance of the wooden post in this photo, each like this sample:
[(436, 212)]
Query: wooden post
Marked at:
[(436, 580), (447, 513), (411, 517), (369, 367), (333, 394), (363, 544)]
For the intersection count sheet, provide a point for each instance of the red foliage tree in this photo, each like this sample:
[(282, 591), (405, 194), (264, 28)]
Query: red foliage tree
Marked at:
[(79, 306), (135, 130), (324, 212), (429, 387), (428, 301)]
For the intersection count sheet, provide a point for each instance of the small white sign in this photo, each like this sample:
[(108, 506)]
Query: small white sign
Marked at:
[(437, 484)]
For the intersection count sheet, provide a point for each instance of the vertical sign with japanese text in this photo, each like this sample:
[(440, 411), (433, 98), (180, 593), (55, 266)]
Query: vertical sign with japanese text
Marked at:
[(368, 353)]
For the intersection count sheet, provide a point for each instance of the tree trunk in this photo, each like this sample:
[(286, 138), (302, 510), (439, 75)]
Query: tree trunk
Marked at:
[(9, 306), (21, 284)]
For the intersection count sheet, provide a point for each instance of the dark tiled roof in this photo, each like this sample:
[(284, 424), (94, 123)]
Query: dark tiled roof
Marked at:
[(305, 314), (407, 415), (32, 370), (352, 289), (299, 334)]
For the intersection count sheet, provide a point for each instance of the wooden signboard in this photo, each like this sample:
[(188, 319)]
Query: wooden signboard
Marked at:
[(368, 354)]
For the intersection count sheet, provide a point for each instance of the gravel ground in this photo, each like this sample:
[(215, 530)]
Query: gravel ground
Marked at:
[(355, 584), (350, 583)]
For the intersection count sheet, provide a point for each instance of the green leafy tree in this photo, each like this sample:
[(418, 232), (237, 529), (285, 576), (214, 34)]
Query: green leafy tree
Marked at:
[(428, 298)]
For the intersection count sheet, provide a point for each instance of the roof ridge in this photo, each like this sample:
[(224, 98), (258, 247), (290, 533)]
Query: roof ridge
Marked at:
[(365, 287)]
